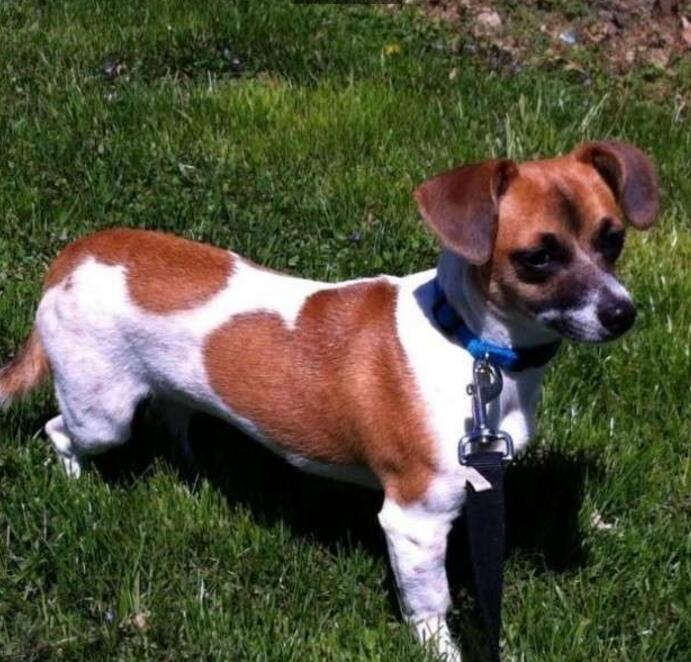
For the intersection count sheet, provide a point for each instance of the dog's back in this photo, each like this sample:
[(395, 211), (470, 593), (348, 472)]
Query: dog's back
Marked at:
[(310, 369)]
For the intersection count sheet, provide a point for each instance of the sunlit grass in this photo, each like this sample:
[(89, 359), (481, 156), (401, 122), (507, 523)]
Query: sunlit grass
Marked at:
[(287, 133)]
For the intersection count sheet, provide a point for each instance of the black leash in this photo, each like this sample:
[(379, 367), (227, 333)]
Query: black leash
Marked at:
[(484, 513), (484, 508), (487, 451)]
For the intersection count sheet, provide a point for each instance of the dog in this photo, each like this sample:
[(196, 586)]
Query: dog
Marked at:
[(357, 380)]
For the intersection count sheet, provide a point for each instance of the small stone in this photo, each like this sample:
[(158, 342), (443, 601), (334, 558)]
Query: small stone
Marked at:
[(489, 21), (568, 37), (658, 57), (686, 31), (140, 620)]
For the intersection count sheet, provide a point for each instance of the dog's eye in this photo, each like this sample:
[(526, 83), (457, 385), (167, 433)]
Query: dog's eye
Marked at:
[(610, 243), (541, 262), (538, 259), (536, 265)]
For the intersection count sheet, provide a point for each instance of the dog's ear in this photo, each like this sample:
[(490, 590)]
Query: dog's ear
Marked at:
[(631, 176), (461, 206)]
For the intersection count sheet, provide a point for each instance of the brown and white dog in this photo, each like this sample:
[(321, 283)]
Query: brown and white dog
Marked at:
[(351, 380)]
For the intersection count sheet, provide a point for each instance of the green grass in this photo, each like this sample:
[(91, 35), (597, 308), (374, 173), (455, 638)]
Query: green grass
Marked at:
[(285, 132)]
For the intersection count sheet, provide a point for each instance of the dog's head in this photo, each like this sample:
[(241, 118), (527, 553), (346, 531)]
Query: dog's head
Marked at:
[(543, 237)]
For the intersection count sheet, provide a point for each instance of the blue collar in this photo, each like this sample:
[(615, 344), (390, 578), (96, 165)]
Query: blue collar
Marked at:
[(507, 358)]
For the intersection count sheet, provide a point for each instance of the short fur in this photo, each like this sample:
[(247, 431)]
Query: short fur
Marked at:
[(26, 371), (350, 380)]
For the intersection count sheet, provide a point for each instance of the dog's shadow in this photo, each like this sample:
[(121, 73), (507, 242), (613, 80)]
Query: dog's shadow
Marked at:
[(247, 474), (544, 493)]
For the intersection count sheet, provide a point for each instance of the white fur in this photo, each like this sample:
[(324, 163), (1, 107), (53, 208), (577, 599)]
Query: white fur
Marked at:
[(107, 354), (416, 536), (416, 539)]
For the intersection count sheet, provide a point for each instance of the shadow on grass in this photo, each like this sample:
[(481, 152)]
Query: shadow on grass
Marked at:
[(247, 474), (544, 492)]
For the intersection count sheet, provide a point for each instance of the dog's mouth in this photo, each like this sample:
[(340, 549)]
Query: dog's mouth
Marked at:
[(598, 315), (588, 324), (571, 330)]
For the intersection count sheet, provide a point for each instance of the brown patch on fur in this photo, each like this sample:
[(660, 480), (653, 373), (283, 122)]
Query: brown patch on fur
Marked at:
[(24, 372), (534, 205), (336, 389), (165, 273)]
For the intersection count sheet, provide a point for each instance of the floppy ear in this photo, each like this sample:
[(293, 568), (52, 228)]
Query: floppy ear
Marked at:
[(461, 206), (631, 176)]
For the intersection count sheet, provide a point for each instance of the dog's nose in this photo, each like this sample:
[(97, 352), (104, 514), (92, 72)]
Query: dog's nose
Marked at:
[(616, 315)]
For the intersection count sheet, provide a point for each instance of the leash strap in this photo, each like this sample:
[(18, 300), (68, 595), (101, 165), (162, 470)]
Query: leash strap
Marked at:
[(486, 539)]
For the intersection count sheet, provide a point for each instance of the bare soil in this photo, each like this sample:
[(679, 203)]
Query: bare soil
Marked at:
[(616, 35)]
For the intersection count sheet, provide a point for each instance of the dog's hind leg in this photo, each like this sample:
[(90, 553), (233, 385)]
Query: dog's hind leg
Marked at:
[(96, 412), (87, 331)]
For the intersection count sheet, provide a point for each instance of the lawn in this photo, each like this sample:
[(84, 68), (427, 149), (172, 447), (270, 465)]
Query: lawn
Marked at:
[(294, 134)]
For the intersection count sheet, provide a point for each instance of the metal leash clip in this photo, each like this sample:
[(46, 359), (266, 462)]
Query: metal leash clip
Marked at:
[(487, 385)]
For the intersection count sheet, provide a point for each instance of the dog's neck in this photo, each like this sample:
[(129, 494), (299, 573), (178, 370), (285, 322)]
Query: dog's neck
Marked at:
[(505, 328)]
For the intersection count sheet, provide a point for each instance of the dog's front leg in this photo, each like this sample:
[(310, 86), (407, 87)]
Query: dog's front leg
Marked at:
[(416, 537)]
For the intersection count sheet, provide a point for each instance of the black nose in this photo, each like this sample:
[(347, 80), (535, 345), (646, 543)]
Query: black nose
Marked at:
[(616, 315)]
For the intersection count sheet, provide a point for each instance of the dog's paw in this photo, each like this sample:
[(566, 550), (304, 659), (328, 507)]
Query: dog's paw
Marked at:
[(434, 634)]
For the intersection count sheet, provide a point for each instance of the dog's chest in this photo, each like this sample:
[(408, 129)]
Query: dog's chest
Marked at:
[(443, 371)]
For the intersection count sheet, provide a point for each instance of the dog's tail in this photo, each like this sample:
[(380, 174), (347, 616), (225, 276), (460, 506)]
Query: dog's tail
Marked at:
[(24, 372)]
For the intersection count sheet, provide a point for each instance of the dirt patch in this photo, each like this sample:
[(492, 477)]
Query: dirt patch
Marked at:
[(617, 35)]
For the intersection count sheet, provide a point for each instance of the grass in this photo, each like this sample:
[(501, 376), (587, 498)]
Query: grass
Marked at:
[(288, 132)]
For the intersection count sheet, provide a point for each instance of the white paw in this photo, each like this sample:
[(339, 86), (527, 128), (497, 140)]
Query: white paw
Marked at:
[(434, 633), (71, 464), (57, 433)]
